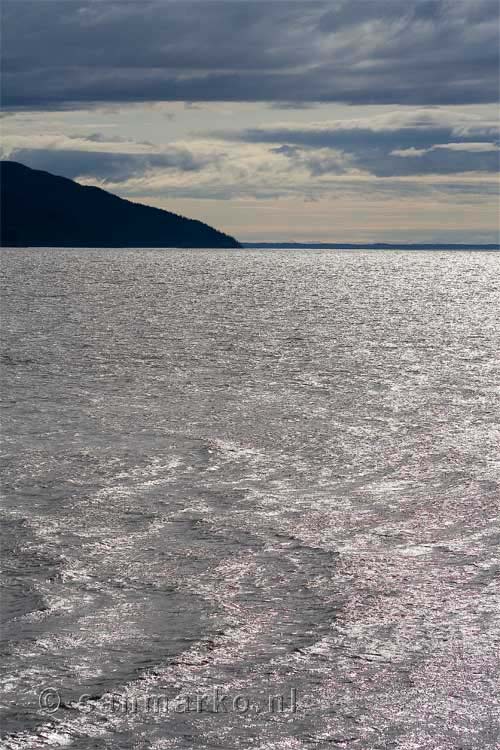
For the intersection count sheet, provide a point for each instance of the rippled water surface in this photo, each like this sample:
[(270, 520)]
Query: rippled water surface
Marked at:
[(262, 472)]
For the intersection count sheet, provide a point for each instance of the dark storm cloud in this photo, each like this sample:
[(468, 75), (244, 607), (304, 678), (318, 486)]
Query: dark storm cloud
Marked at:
[(383, 164), (388, 146), (112, 167), (59, 54), (346, 139)]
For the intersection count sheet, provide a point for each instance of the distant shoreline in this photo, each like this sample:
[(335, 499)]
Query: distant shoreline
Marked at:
[(265, 246), (367, 246)]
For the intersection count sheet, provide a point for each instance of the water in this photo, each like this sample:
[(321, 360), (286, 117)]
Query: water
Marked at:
[(266, 472)]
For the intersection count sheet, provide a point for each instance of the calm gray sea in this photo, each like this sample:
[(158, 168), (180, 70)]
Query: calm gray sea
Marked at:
[(231, 476)]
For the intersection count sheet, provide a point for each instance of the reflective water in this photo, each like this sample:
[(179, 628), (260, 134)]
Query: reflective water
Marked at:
[(270, 473)]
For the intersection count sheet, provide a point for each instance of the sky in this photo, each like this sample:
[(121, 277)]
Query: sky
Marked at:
[(337, 121)]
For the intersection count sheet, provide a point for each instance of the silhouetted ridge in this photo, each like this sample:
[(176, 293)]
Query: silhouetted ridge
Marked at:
[(39, 209)]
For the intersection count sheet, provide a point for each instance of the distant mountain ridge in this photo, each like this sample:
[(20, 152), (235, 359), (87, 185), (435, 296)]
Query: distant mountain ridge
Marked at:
[(39, 209), (368, 246)]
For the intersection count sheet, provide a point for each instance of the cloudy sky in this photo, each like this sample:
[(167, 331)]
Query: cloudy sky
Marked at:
[(346, 120)]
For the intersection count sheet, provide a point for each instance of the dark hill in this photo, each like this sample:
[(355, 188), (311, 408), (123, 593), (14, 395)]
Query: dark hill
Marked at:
[(39, 209)]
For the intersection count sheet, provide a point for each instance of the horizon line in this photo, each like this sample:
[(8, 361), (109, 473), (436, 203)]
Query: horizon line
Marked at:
[(361, 245)]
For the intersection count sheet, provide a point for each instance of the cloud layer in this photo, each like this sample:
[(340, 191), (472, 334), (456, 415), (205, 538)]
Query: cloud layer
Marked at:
[(379, 152), (421, 142), (65, 54)]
